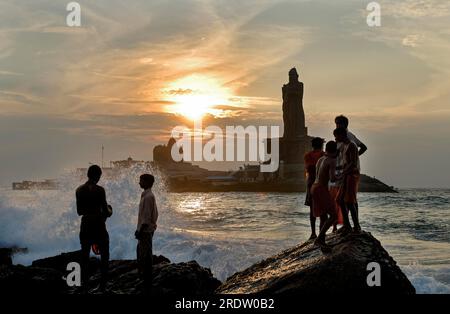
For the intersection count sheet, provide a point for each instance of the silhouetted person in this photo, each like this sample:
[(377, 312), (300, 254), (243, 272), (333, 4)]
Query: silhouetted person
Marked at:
[(342, 122), (146, 226), (323, 204), (92, 206), (347, 195), (311, 159)]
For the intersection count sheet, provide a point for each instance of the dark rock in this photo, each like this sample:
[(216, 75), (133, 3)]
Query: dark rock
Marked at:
[(58, 262), (159, 259), (168, 279), (371, 184), (5, 257), (20, 280), (7, 253), (306, 269), (299, 270), (46, 276), (184, 279)]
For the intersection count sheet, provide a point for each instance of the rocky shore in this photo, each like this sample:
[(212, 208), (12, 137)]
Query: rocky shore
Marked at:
[(299, 270), (305, 269)]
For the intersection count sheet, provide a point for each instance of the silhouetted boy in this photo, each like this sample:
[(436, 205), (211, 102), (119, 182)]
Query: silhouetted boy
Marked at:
[(92, 206), (322, 203), (342, 122), (311, 159), (347, 195), (146, 226)]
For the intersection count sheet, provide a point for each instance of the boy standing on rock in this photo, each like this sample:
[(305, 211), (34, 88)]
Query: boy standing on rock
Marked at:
[(342, 122), (311, 159), (322, 203), (347, 195), (146, 226), (92, 206)]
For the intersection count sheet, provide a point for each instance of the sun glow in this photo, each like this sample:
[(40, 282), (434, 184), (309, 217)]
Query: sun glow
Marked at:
[(197, 95)]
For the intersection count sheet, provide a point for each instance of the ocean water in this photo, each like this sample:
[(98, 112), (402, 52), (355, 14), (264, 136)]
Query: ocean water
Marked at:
[(228, 232)]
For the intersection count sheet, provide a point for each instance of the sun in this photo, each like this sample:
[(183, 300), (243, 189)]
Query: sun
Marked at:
[(195, 96)]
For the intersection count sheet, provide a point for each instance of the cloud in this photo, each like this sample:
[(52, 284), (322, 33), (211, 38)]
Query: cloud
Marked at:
[(10, 73), (111, 76), (416, 8), (411, 40), (179, 91)]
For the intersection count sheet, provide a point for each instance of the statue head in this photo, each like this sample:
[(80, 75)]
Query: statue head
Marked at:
[(293, 75)]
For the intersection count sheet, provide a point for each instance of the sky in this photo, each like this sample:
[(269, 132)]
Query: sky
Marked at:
[(135, 69)]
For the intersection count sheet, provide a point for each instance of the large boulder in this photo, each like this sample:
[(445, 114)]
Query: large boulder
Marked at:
[(305, 269)]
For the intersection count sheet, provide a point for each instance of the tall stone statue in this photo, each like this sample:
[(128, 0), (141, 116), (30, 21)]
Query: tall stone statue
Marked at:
[(293, 114)]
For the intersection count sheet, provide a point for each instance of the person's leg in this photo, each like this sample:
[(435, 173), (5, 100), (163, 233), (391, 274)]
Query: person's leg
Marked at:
[(85, 251), (312, 221), (104, 260), (148, 270), (328, 222), (346, 221), (139, 258), (145, 259), (353, 211), (322, 222), (351, 200), (335, 227)]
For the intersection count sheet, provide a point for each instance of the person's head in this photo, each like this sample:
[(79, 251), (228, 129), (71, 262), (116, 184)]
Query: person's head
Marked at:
[(94, 173), (317, 143), (146, 181), (331, 148), (341, 121), (340, 134)]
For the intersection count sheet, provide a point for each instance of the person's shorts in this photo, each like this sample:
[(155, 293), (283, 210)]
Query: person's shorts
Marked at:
[(322, 201), (349, 190)]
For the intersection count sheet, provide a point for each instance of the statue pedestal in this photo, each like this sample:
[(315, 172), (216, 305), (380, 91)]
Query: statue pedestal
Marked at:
[(294, 173), (292, 152)]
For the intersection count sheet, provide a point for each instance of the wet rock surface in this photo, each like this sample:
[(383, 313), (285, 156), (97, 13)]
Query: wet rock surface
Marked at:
[(306, 269)]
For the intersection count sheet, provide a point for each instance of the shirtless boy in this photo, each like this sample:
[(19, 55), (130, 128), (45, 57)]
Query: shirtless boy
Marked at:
[(323, 204)]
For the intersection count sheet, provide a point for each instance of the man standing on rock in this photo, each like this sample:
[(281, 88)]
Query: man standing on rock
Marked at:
[(146, 226), (347, 194), (342, 122), (92, 206)]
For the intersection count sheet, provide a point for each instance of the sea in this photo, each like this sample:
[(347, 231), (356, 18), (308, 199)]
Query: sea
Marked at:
[(227, 232)]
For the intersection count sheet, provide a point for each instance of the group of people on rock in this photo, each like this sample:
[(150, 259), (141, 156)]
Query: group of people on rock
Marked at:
[(332, 180), (332, 187)]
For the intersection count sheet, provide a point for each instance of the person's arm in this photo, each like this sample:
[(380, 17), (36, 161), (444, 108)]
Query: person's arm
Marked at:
[(79, 203), (332, 170), (154, 218), (310, 168), (352, 152), (145, 214), (362, 148)]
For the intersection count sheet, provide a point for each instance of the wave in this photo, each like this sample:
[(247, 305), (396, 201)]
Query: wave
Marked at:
[(425, 280)]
